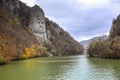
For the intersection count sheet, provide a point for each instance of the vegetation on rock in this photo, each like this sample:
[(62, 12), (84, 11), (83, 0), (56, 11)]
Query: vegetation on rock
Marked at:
[(61, 41), (18, 41), (33, 51), (109, 48)]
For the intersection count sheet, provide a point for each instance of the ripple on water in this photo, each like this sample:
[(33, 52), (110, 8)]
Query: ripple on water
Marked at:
[(62, 68)]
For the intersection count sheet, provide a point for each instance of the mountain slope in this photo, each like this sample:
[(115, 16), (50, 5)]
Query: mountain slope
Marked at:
[(87, 42), (109, 48), (61, 41), (25, 32), (115, 29)]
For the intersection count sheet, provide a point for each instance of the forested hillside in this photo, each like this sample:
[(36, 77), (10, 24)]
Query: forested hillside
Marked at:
[(109, 48)]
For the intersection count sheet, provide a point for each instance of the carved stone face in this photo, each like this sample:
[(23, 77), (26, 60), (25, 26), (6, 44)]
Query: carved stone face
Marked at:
[(39, 30), (37, 24), (39, 27)]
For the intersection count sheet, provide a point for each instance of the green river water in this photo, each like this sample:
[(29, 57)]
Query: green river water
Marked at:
[(61, 68)]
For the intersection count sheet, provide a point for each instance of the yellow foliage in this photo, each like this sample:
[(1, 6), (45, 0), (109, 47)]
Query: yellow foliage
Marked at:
[(17, 21), (27, 53), (33, 51)]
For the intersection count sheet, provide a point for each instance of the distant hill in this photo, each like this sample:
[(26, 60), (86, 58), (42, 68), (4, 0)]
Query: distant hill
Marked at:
[(86, 43)]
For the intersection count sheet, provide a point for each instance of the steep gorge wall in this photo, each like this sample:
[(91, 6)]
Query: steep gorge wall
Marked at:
[(37, 24), (32, 18), (13, 31), (109, 48), (27, 27), (115, 29), (60, 41)]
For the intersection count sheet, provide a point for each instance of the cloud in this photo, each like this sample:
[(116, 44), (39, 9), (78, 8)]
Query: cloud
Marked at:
[(115, 1), (91, 3), (29, 2), (82, 18)]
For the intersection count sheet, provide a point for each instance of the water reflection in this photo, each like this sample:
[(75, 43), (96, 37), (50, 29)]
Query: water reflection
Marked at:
[(105, 69), (62, 68)]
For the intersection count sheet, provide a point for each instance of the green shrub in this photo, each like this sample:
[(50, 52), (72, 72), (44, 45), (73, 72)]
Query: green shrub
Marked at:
[(3, 59)]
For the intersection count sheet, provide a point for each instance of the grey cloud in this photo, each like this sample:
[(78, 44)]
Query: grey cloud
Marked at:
[(115, 1), (77, 20)]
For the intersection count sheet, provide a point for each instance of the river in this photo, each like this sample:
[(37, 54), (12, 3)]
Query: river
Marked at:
[(61, 68)]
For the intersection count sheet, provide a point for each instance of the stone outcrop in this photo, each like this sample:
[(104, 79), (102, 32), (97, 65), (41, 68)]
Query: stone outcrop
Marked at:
[(11, 5), (37, 23), (115, 29), (108, 48), (15, 34), (61, 43), (27, 27)]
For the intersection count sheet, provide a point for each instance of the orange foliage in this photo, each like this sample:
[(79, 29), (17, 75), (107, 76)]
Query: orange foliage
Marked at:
[(33, 51), (7, 47), (27, 53)]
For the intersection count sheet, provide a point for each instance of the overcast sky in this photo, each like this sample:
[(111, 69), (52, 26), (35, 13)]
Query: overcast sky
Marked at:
[(83, 19)]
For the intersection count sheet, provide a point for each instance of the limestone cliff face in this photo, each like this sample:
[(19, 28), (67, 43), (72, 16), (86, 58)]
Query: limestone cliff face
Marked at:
[(11, 5), (60, 41), (14, 35), (37, 24), (115, 29), (27, 28)]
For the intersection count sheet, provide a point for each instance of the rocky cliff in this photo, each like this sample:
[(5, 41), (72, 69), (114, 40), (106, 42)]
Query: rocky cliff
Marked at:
[(60, 41), (37, 24), (115, 29), (25, 32), (109, 48)]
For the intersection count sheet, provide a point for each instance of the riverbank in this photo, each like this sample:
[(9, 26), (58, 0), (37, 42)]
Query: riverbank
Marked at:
[(42, 56)]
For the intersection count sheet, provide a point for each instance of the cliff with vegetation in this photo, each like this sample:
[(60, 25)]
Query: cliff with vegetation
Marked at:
[(107, 48), (25, 33), (60, 42)]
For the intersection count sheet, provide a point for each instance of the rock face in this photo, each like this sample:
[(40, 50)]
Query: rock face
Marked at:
[(12, 28), (61, 43), (37, 24), (115, 29), (11, 5), (27, 28), (109, 48)]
